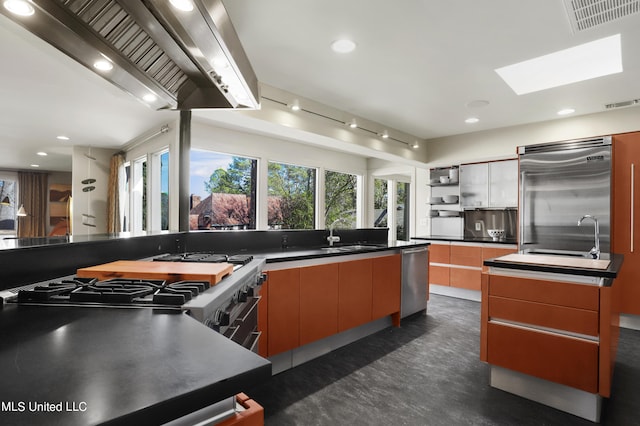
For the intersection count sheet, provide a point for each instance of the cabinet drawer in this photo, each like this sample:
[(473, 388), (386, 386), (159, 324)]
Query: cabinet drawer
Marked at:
[(439, 275), (466, 255), (565, 360), (465, 278), (551, 316), (439, 253), (551, 292)]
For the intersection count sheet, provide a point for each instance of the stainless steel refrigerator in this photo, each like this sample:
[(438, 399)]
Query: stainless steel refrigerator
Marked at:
[(559, 184)]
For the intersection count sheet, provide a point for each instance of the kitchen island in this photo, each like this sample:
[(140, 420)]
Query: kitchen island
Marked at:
[(550, 327)]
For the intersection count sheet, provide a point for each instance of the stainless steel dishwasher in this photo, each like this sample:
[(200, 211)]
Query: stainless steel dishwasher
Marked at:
[(415, 266)]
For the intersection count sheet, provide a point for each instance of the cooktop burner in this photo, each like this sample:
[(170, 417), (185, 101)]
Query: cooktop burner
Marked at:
[(204, 257), (117, 291)]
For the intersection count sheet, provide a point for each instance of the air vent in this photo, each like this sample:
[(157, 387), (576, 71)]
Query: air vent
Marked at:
[(623, 104), (119, 29), (585, 14)]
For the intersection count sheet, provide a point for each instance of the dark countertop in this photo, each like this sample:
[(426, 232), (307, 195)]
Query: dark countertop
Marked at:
[(304, 253), (611, 272), (464, 239), (129, 366)]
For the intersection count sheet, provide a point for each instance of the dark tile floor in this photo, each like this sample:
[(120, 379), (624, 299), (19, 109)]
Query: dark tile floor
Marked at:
[(427, 372)]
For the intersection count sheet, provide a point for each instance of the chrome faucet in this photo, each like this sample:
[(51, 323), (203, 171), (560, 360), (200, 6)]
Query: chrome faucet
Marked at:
[(595, 251), (333, 238)]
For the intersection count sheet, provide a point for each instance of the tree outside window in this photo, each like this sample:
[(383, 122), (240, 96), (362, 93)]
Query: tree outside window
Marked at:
[(291, 196), (340, 200), (380, 203), (223, 191)]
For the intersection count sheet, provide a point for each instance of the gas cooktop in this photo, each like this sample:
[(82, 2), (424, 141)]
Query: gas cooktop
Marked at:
[(119, 292), (206, 257)]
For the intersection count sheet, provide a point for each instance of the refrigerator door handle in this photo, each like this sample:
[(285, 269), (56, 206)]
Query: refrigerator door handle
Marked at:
[(633, 172), (521, 211)]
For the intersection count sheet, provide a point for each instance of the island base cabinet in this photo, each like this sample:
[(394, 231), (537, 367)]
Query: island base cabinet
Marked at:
[(560, 359)]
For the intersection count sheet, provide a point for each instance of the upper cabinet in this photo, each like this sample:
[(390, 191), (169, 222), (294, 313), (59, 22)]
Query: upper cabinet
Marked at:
[(503, 183), (493, 184), (474, 185)]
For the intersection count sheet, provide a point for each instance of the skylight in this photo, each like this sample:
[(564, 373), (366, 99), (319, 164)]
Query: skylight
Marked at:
[(584, 62)]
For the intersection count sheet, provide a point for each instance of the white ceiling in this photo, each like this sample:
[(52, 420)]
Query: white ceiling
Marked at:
[(417, 65)]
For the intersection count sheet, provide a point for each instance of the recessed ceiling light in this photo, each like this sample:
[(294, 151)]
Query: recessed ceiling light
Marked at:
[(472, 120), (295, 105), (103, 65), (184, 5), (62, 138), (566, 111), (343, 46), (35, 165), (149, 97), (42, 154), (19, 7), (583, 62), (478, 103)]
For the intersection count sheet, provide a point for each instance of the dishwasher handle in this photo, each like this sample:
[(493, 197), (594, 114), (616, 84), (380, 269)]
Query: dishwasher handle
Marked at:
[(415, 250)]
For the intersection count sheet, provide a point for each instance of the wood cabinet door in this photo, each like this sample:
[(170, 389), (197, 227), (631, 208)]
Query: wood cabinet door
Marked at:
[(387, 275), (318, 302), (468, 278), (560, 359), (626, 218), (354, 293), (284, 310), (439, 253), (439, 275), (466, 255)]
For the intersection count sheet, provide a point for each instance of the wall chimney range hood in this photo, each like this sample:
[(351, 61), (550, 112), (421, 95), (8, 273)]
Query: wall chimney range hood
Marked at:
[(169, 58)]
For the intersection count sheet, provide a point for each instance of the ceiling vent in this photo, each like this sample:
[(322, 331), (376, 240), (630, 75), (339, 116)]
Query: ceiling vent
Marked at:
[(169, 59), (623, 104), (585, 14)]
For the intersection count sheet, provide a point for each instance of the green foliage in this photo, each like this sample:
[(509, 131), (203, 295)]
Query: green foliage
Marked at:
[(294, 187), (340, 198), (236, 179)]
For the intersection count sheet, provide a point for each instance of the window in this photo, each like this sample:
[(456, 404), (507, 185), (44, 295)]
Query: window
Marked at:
[(380, 202), (139, 195), (164, 190), (159, 201), (340, 198), (402, 211), (291, 196), (223, 191), (7, 207)]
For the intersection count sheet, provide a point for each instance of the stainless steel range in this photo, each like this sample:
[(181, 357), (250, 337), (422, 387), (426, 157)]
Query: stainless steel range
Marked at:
[(228, 307)]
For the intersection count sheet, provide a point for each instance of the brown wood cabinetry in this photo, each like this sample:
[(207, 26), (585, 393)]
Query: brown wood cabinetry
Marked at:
[(625, 235), (301, 305), (439, 259), (283, 310), (559, 331), (460, 265), (355, 293), (386, 281), (318, 302)]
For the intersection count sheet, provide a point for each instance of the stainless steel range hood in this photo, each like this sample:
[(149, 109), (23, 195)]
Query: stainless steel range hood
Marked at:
[(185, 59)]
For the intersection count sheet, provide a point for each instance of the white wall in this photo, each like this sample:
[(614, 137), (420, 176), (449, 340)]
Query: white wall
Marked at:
[(93, 203)]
